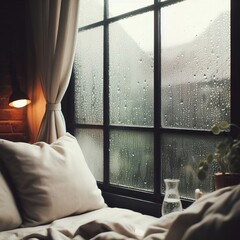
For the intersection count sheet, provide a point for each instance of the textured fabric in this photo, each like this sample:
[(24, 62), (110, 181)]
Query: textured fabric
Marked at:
[(51, 180), (71, 227), (213, 216), (9, 215), (54, 27)]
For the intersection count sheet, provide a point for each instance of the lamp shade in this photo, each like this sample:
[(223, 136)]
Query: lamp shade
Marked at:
[(18, 99)]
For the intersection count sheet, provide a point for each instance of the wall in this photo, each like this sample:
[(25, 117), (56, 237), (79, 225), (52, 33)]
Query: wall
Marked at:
[(13, 122)]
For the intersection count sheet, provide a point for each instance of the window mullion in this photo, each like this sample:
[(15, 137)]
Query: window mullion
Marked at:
[(157, 112), (106, 95), (235, 55)]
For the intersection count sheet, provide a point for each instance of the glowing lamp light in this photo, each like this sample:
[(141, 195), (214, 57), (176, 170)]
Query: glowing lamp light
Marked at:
[(18, 99), (20, 103)]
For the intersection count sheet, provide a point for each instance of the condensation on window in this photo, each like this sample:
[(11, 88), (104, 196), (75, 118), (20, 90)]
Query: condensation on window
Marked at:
[(91, 143), (90, 12), (88, 74), (195, 64), (181, 155), (131, 159), (131, 71), (117, 7)]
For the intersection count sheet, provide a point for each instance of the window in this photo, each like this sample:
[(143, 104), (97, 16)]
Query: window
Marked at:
[(149, 80)]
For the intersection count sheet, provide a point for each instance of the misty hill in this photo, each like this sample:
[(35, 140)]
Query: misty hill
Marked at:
[(207, 56)]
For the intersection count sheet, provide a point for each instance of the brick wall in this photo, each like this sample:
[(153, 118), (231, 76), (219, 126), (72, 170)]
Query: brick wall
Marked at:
[(13, 122)]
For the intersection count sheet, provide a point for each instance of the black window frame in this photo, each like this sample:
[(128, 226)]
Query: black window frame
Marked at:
[(135, 199)]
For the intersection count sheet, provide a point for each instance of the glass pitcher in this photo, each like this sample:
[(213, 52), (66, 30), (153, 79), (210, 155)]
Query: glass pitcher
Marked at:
[(171, 201)]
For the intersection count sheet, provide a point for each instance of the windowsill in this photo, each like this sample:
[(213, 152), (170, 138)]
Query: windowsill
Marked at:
[(139, 205)]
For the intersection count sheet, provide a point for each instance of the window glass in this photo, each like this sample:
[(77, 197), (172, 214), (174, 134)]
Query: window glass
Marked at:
[(117, 7), (91, 143), (90, 12), (131, 159), (181, 155), (88, 73), (193, 76), (131, 71), (195, 64)]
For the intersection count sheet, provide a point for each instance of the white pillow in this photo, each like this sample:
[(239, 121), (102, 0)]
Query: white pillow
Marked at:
[(51, 180), (9, 215)]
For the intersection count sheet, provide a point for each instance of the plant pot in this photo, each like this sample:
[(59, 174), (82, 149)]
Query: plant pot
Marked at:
[(226, 179)]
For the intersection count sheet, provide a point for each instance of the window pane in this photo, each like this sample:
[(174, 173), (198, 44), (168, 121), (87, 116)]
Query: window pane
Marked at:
[(195, 64), (131, 159), (117, 7), (131, 71), (88, 72), (181, 155), (90, 12), (91, 143)]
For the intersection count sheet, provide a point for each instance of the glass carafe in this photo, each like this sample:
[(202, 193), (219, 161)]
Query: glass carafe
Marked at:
[(171, 201)]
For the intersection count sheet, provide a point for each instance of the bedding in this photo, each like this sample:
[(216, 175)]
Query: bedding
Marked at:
[(9, 214), (214, 216), (133, 224), (51, 180)]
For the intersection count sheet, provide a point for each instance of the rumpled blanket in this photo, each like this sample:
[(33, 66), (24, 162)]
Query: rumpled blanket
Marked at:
[(214, 216)]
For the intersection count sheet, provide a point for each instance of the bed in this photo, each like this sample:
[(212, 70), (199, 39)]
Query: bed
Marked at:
[(48, 192)]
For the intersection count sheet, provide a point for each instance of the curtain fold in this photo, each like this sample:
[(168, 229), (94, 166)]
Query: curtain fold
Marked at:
[(54, 25)]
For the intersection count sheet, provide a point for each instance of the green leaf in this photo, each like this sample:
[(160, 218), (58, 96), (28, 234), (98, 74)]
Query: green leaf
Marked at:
[(209, 158), (224, 125), (215, 129)]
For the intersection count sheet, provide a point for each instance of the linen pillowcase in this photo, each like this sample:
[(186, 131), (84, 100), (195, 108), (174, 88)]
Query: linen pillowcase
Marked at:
[(9, 215), (51, 180)]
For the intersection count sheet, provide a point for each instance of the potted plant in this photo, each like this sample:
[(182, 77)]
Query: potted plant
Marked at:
[(226, 157)]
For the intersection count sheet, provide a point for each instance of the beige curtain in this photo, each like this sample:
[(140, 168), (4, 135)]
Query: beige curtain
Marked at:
[(54, 24)]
